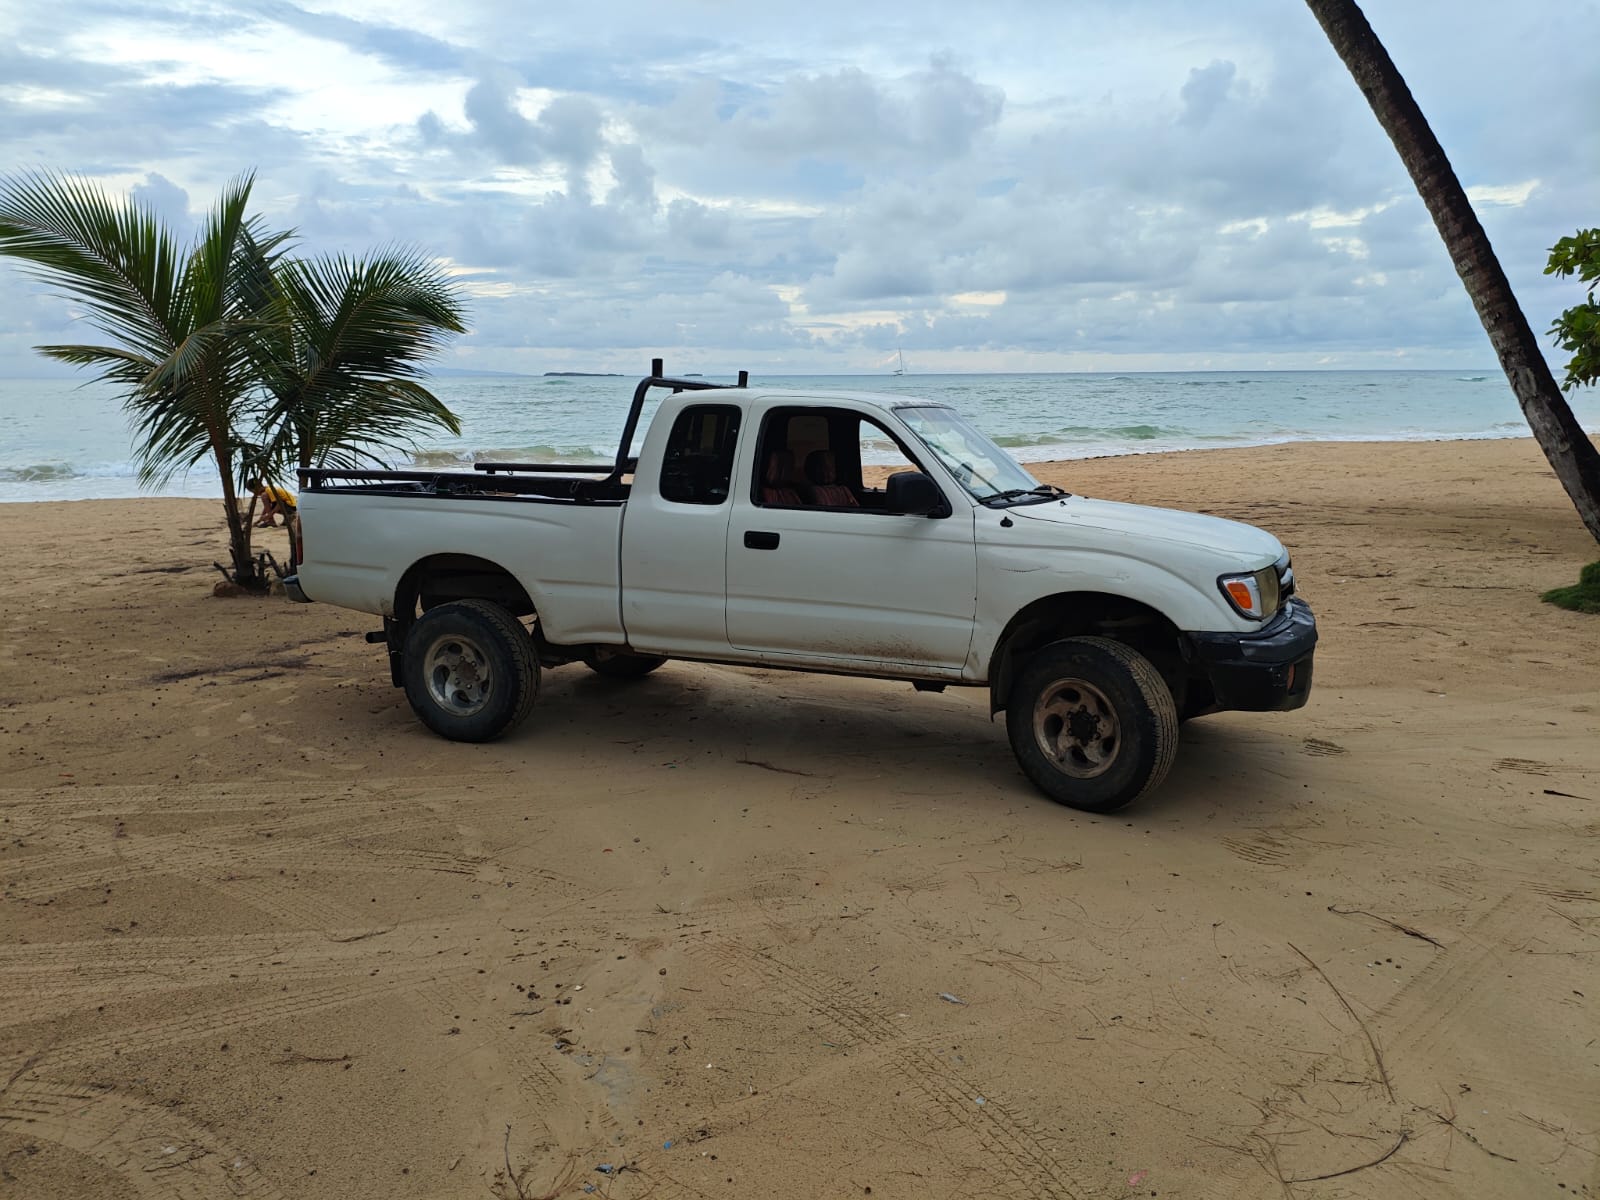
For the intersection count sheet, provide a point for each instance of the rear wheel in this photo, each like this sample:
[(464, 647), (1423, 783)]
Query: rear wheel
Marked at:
[(470, 671), (1092, 723), (618, 664)]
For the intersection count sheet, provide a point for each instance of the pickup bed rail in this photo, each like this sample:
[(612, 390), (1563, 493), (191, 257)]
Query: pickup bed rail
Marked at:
[(465, 485)]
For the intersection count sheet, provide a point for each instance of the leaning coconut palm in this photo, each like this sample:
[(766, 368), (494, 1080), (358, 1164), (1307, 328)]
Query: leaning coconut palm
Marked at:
[(341, 356), (180, 323), (1572, 455)]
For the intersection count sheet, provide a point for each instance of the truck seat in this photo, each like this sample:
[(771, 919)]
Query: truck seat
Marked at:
[(779, 484), (822, 473)]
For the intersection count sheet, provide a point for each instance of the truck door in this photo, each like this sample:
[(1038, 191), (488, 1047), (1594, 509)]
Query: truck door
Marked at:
[(817, 566), (674, 536)]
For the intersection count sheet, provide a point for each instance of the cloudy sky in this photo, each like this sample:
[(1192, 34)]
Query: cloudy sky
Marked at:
[(1014, 185)]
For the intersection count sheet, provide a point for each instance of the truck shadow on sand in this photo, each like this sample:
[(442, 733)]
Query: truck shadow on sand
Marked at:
[(823, 733)]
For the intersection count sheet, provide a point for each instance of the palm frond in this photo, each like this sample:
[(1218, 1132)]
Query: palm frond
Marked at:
[(173, 432), (355, 335), (379, 318), (128, 365), (367, 424), (110, 255), (209, 274)]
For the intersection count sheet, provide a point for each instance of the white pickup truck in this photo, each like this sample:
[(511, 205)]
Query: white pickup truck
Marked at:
[(846, 533)]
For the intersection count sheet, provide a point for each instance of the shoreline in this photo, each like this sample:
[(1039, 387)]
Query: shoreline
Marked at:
[(1030, 464)]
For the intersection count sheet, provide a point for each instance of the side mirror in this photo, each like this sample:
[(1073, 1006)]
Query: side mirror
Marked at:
[(911, 493)]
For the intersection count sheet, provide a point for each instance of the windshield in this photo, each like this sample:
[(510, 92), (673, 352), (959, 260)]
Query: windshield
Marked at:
[(978, 464)]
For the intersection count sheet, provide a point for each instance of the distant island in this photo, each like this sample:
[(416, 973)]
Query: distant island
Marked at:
[(583, 374)]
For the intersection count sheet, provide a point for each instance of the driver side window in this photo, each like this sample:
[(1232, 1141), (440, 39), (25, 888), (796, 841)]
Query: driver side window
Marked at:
[(825, 458)]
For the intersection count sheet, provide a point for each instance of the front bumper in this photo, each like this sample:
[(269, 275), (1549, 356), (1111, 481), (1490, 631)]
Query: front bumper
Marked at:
[(1260, 672)]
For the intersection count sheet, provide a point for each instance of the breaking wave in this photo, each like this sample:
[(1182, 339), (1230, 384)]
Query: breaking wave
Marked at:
[(38, 473)]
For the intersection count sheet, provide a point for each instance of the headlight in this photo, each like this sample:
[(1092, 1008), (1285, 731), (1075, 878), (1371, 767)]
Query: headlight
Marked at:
[(1254, 595)]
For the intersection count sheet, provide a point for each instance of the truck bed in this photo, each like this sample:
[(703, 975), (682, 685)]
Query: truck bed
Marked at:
[(366, 532)]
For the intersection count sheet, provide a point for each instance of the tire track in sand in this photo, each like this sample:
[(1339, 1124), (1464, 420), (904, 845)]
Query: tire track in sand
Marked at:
[(158, 1152), (307, 972), (63, 975), (1017, 1150)]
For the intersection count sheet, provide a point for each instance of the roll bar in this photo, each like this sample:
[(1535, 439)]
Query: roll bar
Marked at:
[(659, 379), (623, 464)]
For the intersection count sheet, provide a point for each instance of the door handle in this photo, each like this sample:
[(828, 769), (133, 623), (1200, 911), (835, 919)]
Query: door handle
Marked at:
[(755, 539)]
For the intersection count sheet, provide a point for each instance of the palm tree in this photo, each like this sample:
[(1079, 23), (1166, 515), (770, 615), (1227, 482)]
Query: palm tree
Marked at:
[(180, 323), (1571, 453), (339, 359), (232, 351)]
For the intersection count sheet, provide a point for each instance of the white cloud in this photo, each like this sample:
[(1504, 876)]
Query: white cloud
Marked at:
[(998, 187), (1508, 195)]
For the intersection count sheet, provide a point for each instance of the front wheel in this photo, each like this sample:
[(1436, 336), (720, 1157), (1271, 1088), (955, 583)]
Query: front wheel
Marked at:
[(1092, 723), (469, 670)]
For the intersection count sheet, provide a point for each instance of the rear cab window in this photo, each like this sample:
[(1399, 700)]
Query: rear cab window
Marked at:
[(697, 465)]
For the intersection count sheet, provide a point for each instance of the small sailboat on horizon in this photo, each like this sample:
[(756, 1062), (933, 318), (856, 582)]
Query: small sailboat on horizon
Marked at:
[(900, 368)]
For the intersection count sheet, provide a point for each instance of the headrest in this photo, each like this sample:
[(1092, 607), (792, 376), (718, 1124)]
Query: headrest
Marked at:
[(821, 467), (780, 467)]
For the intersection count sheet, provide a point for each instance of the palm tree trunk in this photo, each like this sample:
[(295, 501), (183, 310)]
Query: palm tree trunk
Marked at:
[(1571, 453), (244, 563)]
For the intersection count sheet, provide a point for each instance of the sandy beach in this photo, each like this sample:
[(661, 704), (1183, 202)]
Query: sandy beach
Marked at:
[(732, 933)]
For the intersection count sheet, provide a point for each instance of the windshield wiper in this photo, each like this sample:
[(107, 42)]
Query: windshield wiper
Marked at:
[(1048, 491)]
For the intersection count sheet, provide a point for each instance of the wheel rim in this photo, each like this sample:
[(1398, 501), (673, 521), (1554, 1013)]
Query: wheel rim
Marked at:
[(1077, 728), (458, 676)]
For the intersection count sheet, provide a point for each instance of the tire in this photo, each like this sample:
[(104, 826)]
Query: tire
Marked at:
[(617, 664), (1092, 723), (470, 671)]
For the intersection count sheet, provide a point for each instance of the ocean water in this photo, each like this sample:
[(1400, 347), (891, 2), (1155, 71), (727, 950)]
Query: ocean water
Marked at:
[(62, 440)]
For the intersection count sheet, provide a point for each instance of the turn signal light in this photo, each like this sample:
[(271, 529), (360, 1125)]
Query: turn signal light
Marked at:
[(1255, 595)]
